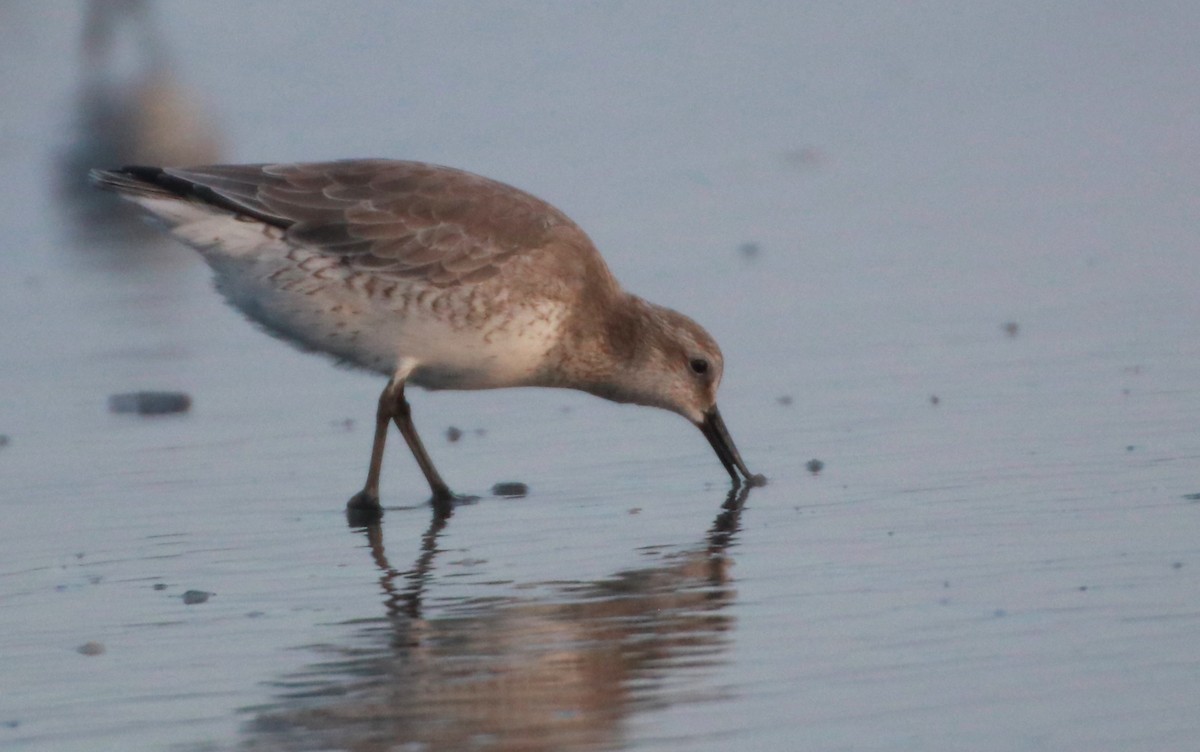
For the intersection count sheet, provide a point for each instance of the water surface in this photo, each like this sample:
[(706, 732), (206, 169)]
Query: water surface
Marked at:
[(999, 552)]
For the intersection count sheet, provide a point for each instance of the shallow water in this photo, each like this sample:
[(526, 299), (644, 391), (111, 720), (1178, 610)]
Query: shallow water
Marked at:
[(999, 552)]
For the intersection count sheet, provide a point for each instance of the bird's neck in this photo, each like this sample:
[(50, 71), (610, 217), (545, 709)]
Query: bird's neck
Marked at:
[(601, 352)]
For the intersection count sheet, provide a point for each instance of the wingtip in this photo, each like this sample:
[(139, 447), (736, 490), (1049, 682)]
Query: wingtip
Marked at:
[(129, 180), (100, 177)]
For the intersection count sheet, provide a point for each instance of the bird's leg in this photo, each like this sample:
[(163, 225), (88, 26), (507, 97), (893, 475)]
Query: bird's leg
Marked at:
[(364, 505), (402, 414)]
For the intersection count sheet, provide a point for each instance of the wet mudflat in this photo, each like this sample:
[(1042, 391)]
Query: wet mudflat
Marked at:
[(949, 256)]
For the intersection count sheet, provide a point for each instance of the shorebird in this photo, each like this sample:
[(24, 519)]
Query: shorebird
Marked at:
[(435, 277)]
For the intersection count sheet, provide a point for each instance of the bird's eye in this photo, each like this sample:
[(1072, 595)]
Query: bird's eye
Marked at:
[(698, 365)]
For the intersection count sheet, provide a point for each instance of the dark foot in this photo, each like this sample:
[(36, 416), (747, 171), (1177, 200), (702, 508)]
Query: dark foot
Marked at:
[(756, 481), (363, 509), (444, 503)]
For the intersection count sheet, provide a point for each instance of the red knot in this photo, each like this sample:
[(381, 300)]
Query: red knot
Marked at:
[(434, 277)]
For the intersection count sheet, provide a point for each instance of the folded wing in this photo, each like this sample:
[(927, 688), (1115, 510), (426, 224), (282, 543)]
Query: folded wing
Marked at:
[(394, 219)]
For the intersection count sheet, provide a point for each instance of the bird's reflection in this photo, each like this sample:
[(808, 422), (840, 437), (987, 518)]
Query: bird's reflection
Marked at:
[(131, 109), (559, 672), (403, 590)]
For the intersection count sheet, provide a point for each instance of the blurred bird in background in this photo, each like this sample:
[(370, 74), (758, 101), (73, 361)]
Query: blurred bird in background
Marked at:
[(131, 109)]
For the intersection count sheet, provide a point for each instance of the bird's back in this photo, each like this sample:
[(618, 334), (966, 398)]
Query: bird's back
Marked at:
[(377, 261)]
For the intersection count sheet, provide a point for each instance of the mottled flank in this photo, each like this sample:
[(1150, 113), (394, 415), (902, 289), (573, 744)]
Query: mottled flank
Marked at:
[(433, 276)]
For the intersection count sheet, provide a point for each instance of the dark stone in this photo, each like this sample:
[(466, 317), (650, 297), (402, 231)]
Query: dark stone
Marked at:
[(511, 489), (150, 403)]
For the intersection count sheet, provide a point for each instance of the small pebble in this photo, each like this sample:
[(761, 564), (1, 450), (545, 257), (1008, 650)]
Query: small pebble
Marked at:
[(749, 250), (510, 489), (934, 399), (91, 648), (1011, 328), (3, 440), (149, 403), (453, 434), (192, 597), (784, 400), (160, 586), (804, 159), (814, 466)]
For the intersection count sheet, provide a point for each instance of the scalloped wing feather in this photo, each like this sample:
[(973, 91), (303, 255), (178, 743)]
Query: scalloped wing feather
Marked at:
[(401, 219)]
